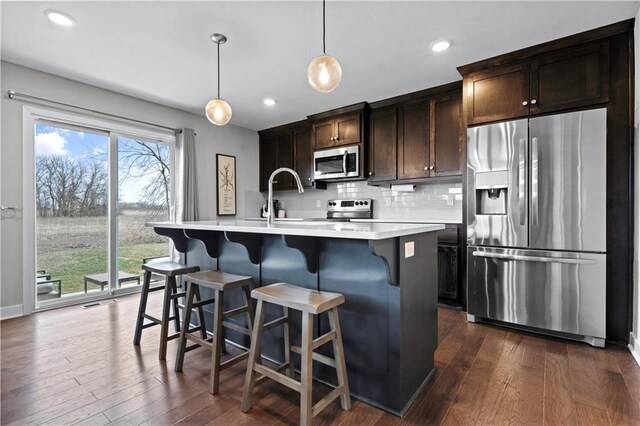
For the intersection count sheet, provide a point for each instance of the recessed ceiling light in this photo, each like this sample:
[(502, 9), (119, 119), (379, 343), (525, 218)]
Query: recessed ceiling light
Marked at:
[(440, 46), (270, 102), (59, 18)]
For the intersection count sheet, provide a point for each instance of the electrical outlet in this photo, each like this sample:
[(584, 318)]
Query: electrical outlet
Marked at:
[(450, 201), (409, 249), (318, 204)]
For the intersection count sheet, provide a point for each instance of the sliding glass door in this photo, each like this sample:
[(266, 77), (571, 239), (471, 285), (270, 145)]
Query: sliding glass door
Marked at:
[(94, 191), (144, 195), (72, 226)]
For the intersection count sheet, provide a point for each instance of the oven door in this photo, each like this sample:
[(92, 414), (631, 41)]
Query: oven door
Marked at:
[(336, 163)]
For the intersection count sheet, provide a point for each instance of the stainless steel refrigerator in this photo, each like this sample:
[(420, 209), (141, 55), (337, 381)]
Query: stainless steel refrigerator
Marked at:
[(536, 215)]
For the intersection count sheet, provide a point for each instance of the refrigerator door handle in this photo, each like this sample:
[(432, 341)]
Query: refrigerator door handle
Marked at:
[(521, 181), (534, 258), (534, 181)]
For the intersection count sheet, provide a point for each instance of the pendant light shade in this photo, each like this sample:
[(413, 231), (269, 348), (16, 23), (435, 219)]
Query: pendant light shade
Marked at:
[(324, 72), (218, 110)]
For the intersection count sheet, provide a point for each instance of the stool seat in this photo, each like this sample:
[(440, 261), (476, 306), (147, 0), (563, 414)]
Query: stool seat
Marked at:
[(298, 298), (168, 268), (219, 280)]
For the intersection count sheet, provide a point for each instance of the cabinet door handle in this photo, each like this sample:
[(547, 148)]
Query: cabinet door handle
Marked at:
[(534, 101), (525, 103), (275, 181), (426, 168), (309, 179), (331, 138), (337, 138), (370, 173)]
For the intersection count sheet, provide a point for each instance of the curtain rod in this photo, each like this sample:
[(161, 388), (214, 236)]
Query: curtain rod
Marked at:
[(11, 94)]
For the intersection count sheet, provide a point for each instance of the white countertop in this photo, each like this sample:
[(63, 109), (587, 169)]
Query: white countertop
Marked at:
[(447, 221), (302, 219), (348, 230)]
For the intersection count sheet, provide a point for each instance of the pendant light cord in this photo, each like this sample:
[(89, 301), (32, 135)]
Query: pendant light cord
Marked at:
[(324, 42), (218, 70)]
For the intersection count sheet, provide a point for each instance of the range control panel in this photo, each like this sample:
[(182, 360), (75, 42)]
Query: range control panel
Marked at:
[(359, 208)]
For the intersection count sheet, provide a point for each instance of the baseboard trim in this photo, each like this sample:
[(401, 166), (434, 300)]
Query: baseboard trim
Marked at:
[(10, 312), (634, 347)]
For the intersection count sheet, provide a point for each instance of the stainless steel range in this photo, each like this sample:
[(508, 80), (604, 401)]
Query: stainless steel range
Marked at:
[(361, 208), (536, 214)]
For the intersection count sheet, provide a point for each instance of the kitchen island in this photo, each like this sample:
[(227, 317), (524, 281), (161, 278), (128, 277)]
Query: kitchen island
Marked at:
[(387, 273)]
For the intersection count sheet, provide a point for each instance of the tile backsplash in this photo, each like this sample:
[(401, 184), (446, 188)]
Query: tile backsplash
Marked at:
[(427, 202)]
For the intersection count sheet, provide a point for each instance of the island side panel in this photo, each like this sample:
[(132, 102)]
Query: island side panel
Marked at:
[(281, 263), (369, 319), (419, 313)]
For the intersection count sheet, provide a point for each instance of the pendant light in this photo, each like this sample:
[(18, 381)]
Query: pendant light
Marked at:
[(217, 110), (324, 72)]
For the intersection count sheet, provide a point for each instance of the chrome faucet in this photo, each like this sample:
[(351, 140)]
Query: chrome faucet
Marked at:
[(270, 209)]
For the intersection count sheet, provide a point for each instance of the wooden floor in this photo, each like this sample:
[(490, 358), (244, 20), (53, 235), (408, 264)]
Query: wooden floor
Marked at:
[(77, 366)]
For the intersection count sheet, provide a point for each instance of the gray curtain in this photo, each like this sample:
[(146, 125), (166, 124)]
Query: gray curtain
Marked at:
[(187, 188), (186, 199)]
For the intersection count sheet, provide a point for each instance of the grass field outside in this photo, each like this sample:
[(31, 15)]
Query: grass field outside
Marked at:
[(70, 247)]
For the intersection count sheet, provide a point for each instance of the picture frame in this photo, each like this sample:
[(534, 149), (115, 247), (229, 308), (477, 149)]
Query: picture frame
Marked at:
[(226, 203)]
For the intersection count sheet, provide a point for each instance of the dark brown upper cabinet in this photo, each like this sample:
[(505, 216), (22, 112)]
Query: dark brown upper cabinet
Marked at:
[(277, 150), (447, 138), (413, 141), (554, 81), (497, 94), (571, 78), (342, 130), (303, 155), (417, 139), (324, 134), (383, 143)]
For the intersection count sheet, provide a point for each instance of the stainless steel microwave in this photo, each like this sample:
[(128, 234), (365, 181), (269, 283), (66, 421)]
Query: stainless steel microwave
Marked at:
[(336, 163)]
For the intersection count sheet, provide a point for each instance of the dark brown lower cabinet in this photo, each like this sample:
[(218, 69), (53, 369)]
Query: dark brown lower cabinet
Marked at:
[(451, 267), (449, 275)]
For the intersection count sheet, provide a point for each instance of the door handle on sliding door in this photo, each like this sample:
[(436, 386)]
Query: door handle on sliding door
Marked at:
[(522, 180), (543, 259), (534, 181)]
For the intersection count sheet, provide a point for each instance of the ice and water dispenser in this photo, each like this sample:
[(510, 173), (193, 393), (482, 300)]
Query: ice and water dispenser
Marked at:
[(492, 190)]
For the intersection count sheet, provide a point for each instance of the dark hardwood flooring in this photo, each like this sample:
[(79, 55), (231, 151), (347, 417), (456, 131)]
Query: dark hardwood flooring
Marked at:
[(78, 366)]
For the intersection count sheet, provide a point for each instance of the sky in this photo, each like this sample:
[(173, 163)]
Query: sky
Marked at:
[(75, 144)]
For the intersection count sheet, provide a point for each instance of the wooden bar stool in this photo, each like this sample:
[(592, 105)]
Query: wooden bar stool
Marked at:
[(219, 282), (170, 270), (310, 303)]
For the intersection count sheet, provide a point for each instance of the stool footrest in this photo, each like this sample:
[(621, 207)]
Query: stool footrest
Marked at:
[(235, 327), (316, 357), (276, 322), (328, 399), (234, 312), (199, 340), (190, 348), (278, 377), (152, 320), (178, 295), (325, 338), (173, 336), (202, 303), (279, 369), (233, 361), (156, 288)]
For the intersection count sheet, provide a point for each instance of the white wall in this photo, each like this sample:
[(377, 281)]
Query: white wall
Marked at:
[(210, 139), (634, 344)]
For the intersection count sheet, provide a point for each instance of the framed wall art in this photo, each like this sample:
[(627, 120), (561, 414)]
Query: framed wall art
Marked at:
[(226, 184)]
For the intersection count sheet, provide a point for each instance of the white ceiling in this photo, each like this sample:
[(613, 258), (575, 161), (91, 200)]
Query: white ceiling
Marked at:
[(161, 52)]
